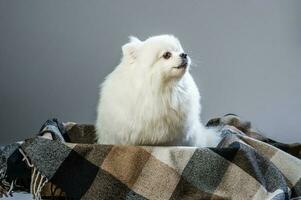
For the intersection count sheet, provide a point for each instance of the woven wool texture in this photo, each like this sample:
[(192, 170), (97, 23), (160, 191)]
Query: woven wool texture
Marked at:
[(245, 165)]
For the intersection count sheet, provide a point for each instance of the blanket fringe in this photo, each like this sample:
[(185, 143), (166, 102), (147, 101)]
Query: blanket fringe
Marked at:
[(6, 188), (37, 182)]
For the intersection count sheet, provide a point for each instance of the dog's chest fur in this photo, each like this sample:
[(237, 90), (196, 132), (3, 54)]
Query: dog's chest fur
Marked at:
[(142, 115), (163, 117)]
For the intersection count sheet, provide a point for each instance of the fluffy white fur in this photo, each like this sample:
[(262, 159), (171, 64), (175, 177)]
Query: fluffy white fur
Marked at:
[(146, 100)]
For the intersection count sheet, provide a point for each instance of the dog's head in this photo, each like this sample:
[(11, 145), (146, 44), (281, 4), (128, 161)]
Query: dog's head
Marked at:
[(161, 56)]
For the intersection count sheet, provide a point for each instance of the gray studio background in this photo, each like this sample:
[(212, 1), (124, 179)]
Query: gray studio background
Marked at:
[(54, 54)]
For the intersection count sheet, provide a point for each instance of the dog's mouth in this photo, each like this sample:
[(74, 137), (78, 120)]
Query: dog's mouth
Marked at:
[(182, 66)]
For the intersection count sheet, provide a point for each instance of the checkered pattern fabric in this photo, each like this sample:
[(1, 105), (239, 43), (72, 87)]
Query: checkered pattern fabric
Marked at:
[(245, 165), (241, 167)]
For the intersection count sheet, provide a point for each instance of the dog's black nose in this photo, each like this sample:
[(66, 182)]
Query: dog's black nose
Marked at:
[(183, 55)]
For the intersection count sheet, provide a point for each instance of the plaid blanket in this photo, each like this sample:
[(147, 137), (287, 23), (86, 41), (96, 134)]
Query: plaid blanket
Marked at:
[(240, 167)]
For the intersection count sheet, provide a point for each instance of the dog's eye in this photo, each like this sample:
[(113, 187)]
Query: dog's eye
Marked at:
[(167, 55)]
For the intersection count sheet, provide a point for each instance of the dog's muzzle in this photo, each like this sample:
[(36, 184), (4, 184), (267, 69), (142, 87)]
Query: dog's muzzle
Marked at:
[(184, 62)]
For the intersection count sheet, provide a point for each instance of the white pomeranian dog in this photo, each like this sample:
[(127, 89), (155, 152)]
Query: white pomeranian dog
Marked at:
[(151, 98)]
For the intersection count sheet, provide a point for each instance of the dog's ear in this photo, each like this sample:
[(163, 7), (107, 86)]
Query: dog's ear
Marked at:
[(134, 39), (130, 49)]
